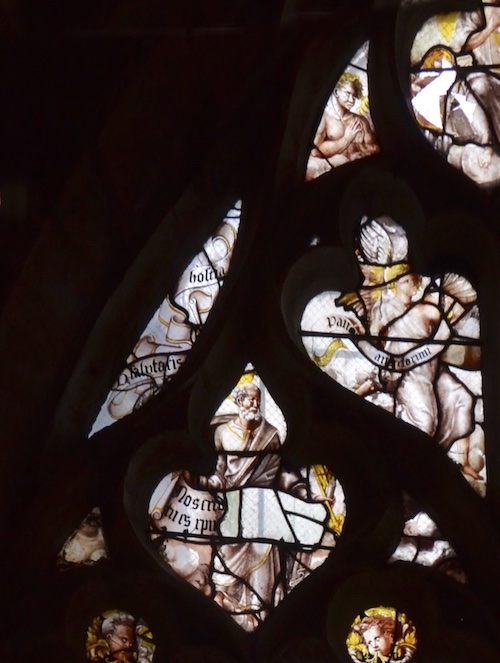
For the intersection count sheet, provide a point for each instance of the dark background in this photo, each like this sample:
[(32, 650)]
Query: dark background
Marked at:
[(127, 128)]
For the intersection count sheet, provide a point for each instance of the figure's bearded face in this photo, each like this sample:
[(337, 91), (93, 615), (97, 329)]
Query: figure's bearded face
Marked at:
[(251, 414), (249, 406), (122, 643)]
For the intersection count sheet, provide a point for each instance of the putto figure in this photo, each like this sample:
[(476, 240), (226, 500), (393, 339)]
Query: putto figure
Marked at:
[(343, 135), (382, 636), (249, 532)]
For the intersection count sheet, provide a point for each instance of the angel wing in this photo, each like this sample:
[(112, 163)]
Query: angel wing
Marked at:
[(459, 288), (375, 242), (463, 317)]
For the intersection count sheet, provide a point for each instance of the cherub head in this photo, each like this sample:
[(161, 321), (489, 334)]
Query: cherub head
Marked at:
[(378, 633)]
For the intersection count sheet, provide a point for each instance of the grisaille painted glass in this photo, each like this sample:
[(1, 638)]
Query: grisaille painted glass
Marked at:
[(455, 89), (174, 328), (116, 635), (86, 546), (422, 543), (246, 535), (382, 634), (409, 344), (345, 131)]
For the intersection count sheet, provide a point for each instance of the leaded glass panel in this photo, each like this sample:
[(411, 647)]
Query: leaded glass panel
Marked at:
[(407, 343), (455, 89), (172, 331), (345, 131), (247, 534), (116, 635), (382, 634), (422, 543), (86, 546)]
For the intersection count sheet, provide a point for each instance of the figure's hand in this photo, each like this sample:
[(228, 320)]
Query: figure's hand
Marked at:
[(188, 477), (484, 157), (389, 381), (366, 387), (358, 307), (323, 499), (353, 129)]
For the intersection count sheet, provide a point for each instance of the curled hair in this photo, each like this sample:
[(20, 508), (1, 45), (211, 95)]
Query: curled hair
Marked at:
[(351, 79), (116, 619), (242, 391), (393, 273), (388, 626)]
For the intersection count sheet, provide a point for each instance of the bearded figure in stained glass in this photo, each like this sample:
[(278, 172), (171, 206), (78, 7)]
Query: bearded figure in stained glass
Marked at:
[(118, 636), (246, 573), (246, 534)]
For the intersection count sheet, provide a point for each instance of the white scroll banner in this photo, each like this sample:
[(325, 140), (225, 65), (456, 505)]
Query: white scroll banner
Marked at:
[(247, 513), (149, 370), (264, 513), (405, 362)]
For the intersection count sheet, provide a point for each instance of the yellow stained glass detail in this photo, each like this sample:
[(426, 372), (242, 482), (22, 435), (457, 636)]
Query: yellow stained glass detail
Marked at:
[(246, 378), (403, 648), (364, 105), (326, 357), (324, 478), (446, 24)]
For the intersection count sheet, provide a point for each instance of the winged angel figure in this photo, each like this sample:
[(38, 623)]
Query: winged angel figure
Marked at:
[(405, 342)]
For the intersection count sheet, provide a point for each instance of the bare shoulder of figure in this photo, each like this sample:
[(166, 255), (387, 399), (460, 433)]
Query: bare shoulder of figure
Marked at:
[(322, 125), (428, 309), (367, 128)]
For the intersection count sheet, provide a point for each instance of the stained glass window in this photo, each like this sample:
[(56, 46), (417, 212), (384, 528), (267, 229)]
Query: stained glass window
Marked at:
[(455, 89), (86, 546), (407, 343), (345, 132), (247, 534), (116, 635), (172, 331), (423, 543), (382, 634), (282, 511)]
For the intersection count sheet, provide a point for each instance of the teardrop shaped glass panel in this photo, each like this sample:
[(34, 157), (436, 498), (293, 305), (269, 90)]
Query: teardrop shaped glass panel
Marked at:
[(345, 131), (172, 331), (248, 533)]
